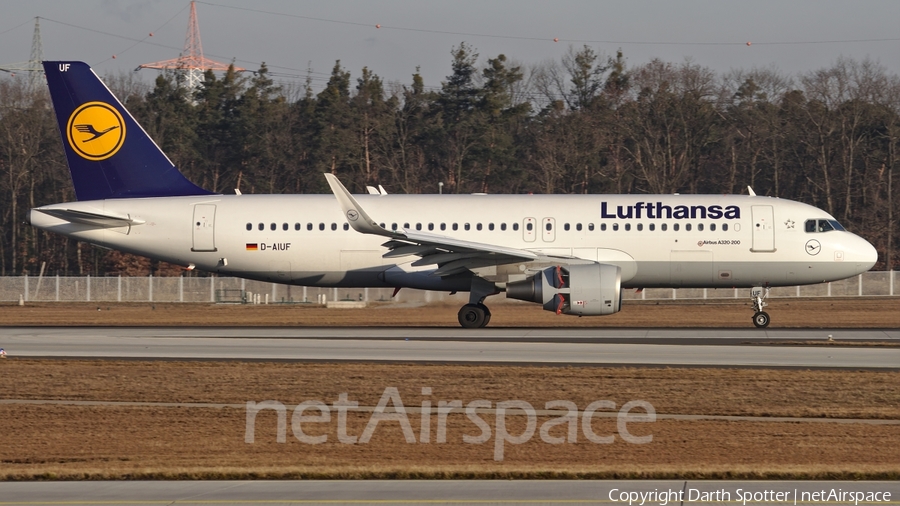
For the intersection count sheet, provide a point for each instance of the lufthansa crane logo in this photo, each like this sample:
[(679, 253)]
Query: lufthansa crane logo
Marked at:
[(96, 131), (813, 247)]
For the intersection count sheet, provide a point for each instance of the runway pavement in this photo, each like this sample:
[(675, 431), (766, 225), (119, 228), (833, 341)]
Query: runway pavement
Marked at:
[(450, 492), (683, 347)]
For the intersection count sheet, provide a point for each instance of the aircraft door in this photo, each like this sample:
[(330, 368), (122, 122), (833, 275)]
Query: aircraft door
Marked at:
[(763, 229), (548, 229), (529, 226), (204, 227)]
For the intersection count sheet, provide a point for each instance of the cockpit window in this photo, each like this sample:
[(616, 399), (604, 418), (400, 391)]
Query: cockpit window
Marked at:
[(813, 226)]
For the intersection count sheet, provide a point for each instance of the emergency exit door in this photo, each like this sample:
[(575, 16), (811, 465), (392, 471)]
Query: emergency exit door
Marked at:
[(763, 229), (529, 226), (204, 227), (548, 228)]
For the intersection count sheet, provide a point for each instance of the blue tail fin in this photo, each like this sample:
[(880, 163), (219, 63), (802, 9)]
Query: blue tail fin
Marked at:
[(109, 154)]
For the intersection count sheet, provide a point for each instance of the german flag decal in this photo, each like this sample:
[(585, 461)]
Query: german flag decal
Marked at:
[(252, 246)]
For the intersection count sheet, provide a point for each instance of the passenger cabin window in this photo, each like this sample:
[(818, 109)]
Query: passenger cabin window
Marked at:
[(284, 226), (273, 226), (309, 226), (516, 226), (334, 226), (296, 226), (467, 226), (321, 226), (628, 227), (443, 226), (603, 227), (549, 226), (455, 226), (418, 226), (712, 227), (675, 227), (262, 226), (503, 226), (591, 227), (724, 227), (652, 227), (578, 227), (490, 226), (566, 227), (640, 226), (249, 226), (347, 226), (529, 227), (687, 227), (700, 227), (615, 227), (393, 226), (478, 226), (664, 227), (431, 226)]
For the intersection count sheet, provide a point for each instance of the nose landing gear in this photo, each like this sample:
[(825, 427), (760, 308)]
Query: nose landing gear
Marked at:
[(759, 295)]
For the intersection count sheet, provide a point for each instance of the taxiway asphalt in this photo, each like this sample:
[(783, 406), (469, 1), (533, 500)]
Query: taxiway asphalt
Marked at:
[(657, 347)]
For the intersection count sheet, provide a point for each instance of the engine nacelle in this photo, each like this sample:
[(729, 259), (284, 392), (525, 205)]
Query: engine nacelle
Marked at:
[(584, 290)]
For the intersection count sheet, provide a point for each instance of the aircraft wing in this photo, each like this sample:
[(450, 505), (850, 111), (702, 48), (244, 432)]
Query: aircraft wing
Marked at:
[(452, 256), (93, 219)]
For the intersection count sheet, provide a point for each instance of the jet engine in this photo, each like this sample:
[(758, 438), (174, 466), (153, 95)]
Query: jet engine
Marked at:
[(583, 290)]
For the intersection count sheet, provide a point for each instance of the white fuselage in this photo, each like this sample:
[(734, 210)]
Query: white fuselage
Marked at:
[(656, 240)]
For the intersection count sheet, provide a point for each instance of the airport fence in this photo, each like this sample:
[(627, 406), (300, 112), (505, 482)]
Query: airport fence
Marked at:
[(231, 290)]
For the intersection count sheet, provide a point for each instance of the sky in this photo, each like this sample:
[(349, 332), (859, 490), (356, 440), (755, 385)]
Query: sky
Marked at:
[(299, 38)]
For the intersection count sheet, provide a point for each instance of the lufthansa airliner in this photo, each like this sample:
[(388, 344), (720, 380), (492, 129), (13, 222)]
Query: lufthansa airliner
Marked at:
[(572, 254)]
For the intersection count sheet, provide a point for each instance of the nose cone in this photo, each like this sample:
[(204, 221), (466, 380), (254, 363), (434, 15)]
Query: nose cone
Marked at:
[(870, 255), (864, 254)]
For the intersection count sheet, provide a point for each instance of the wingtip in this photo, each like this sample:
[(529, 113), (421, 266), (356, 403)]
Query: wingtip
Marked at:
[(356, 216)]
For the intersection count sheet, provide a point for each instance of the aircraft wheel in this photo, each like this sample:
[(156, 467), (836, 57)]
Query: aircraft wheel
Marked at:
[(472, 316), (761, 319), (487, 315)]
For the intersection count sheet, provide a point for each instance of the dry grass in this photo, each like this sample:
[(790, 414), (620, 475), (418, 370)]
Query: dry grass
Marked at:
[(116, 442), (750, 392), (855, 312)]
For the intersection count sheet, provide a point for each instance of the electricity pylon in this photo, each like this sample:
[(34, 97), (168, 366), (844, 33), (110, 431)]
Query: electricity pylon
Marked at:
[(192, 64)]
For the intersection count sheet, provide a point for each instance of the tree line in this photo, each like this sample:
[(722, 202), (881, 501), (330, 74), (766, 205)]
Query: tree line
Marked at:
[(586, 123)]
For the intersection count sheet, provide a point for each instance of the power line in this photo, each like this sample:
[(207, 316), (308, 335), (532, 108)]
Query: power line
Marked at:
[(166, 46), (148, 36), (548, 39), (17, 26)]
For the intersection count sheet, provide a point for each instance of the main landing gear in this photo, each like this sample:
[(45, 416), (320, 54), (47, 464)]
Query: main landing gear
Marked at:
[(759, 295), (475, 314)]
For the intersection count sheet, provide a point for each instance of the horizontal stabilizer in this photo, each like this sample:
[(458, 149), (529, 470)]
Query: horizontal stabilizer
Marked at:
[(92, 219)]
